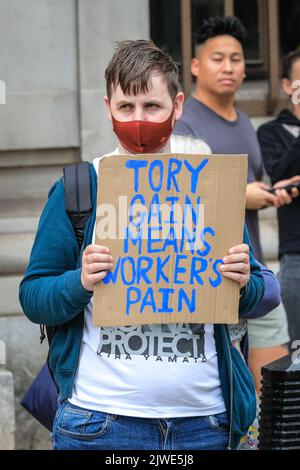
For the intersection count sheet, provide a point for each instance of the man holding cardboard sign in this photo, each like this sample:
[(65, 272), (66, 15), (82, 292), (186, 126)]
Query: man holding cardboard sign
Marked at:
[(139, 383)]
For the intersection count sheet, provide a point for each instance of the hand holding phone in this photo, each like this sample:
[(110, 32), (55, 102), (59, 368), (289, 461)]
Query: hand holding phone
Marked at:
[(288, 188)]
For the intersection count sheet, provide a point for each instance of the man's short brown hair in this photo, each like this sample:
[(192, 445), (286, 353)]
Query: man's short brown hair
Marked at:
[(132, 65)]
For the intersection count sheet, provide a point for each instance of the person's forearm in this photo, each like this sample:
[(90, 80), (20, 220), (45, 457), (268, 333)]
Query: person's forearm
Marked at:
[(271, 298), (252, 294), (53, 300), (254, 289)]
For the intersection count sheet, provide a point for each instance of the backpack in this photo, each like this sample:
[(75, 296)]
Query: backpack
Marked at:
[(41, 399)]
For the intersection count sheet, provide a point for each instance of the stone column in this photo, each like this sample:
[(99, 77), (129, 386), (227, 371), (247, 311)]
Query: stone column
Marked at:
[(7, 408), (100, 25)]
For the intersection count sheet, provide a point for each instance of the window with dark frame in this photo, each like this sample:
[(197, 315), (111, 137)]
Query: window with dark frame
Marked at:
[(165, 27), (289, 22)]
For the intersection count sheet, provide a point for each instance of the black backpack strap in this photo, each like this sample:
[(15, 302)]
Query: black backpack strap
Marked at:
[(78, 196)]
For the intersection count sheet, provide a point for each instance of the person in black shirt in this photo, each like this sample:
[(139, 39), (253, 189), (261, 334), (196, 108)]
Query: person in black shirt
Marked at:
[(280, 146)]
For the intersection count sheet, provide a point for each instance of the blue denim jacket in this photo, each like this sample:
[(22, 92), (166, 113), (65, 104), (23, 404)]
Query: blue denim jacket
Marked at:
[(51, 293)]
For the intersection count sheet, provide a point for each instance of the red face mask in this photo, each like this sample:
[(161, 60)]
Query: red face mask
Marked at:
[(143, 136)]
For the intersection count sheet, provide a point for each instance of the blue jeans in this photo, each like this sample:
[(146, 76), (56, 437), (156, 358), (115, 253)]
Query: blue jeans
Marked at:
[(78, 428)]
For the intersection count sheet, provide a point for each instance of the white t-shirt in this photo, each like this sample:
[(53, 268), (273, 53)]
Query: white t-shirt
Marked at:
[(150, 371)]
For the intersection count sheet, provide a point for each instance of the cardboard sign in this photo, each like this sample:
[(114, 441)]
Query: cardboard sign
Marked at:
[(168, 220)]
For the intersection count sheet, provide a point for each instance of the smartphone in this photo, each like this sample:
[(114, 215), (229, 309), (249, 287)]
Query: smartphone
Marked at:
[(288, 188)]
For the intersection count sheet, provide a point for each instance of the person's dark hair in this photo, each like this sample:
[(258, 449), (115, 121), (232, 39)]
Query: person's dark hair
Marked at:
[(219, 26), (288, 62), (132, 65)]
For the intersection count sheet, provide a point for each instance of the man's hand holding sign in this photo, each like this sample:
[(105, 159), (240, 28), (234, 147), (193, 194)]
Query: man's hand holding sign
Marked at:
[(96, 262), (237, 265)]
